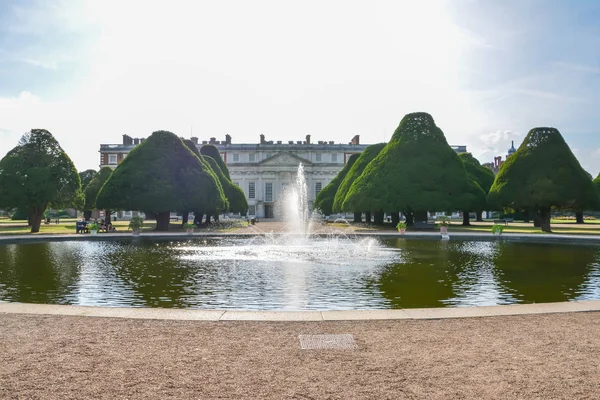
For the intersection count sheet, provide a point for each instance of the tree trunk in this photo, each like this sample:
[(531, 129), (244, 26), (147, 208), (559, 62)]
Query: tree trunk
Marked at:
[(421, 216), (197, 218), (184, 217), (410, 218), (526, 216), (357, 217), (107, 219), (368, 217), (579, 217), (378, 217), (536, 221), (35, 218), (545, 219), (87, 214), (466, 219), (479, 216), (162, 221), (395, 218)]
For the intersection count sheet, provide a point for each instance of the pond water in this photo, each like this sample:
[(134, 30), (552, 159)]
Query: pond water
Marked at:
[(307, 274)]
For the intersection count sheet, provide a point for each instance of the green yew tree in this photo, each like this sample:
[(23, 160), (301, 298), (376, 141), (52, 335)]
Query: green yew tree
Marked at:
[(541, 174), (38, 174), (92, 190), (484, 178), (355, 171), (212, 151), (86, 177), (159, 176), (597, 183), (416, 171), (234, 194), (325, 198)]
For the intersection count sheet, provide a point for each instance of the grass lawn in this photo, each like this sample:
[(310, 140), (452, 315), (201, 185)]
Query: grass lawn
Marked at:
[(558, 226), (67, 226)]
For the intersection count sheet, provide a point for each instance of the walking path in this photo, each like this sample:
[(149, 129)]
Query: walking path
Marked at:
[(253, 231), (544, 356)]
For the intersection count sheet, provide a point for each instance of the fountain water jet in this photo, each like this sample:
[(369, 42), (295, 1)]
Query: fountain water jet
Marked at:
[(294, 204)]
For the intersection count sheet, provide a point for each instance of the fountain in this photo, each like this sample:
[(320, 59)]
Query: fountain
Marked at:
[(294, 204)]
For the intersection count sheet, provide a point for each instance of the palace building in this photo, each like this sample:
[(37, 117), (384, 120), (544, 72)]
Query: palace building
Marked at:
[(263, 170)]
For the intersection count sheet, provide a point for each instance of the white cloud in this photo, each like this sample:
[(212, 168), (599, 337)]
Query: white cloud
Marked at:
[(39, 63)]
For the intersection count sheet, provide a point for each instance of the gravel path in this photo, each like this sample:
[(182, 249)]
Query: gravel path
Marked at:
[(525, 357)]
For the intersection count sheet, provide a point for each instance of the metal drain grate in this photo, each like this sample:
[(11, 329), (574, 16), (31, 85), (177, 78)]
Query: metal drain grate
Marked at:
[(311, 342)]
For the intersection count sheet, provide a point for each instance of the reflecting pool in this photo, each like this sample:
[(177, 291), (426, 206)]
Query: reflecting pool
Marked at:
[(307, 274)]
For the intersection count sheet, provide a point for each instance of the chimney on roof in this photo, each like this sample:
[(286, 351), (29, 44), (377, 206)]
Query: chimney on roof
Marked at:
[(212, 140), (356, 139), (227, 139), (331, 142), (127, 140), (262, 139), (307, 139), (136, 141), (290, 142), (194, 140)]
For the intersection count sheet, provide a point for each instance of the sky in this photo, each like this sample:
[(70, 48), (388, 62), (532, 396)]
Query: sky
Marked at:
[(487, 71)]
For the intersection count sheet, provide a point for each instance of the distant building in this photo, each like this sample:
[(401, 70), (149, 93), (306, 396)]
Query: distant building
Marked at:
[(495, 166), (264, 169)]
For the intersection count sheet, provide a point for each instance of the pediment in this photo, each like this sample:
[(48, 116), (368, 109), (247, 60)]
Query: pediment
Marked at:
[(285, 158)]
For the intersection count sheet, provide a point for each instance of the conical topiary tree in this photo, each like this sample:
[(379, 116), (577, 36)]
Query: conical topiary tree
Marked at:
[(355, 171), (325, 198), (417, 171), (159, 176), (234, 194), (597, 183), (92, 190), (484, 178), (212, 151), (543, 173), (473, 198)]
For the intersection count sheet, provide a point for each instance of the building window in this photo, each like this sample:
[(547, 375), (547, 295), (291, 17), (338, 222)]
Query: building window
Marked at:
[(267, 155), (251, 157), (236, 157), (252, 209), (318, 187), (269, 191), (334, 158), (318, 155), (251, 190), (112, 158)]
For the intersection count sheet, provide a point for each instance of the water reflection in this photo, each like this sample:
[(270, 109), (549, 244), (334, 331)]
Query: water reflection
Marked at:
[(39, 272), (314, 274), (544, 273)]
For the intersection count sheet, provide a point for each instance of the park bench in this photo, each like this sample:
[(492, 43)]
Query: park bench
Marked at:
[(423, 225), (81, 227), (504, 221)]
